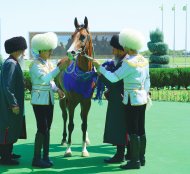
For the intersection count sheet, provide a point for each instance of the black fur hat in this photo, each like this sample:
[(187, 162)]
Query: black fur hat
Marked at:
[(14, 44), (114, 42)]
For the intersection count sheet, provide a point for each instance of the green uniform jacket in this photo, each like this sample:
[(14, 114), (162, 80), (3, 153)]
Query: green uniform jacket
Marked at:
[(11, 93), (115, 125)]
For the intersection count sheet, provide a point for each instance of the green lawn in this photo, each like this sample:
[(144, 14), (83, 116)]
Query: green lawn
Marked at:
[(167, 126)]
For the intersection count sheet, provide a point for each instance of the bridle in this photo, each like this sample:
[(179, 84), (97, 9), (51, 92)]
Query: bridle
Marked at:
[(81, 51)]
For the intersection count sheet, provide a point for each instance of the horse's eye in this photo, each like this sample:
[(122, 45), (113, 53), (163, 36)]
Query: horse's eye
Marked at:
[(82, 37)]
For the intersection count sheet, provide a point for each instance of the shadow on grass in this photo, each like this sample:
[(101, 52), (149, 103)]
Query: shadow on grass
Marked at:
[(71, 165)]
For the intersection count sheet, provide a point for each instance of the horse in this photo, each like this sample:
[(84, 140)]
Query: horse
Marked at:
[(78, 84)]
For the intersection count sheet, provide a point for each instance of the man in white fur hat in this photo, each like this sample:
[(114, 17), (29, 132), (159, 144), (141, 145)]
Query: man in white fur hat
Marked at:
[(42, 74), (135, 73)]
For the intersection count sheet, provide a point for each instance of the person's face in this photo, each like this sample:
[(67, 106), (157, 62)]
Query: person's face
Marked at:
[(130, 51), (46, 54), (118, 53), (21, 53), (127, 50)]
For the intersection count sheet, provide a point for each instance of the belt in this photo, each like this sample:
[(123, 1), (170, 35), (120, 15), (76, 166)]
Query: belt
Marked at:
[(134, 86), (41, 87)]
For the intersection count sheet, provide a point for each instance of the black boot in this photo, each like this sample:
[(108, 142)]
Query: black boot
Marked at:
[(6, 155), (142, 149), (134, 163), (118, 157), (14, 156), (37, 161), (127, 155), (46, 149)]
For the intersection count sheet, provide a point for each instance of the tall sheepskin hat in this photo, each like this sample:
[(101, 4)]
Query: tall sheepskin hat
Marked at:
[(46, 41), (132, 39), (15, 44)]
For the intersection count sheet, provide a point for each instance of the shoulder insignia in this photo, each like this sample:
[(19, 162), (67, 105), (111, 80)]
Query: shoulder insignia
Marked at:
[(138, 61)]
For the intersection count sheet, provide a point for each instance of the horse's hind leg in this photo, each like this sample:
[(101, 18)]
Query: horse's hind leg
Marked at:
[(62, 103), (85, 107)]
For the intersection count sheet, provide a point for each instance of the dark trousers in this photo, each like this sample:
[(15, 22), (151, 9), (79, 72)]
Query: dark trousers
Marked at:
[(136, 119), (6, 150), (44, 117)]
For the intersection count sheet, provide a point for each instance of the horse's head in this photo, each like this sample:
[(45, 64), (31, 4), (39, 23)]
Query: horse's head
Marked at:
[(81, 47)]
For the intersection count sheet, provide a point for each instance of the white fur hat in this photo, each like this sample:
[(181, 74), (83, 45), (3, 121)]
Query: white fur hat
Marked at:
[(132, 39), (44, 41)]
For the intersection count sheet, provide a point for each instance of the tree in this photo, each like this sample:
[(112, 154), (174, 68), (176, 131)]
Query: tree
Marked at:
[(158, 49)]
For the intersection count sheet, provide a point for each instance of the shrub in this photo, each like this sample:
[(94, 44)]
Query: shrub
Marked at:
[(170, 77), (158, 48), (27, 81), (164, 59), (156, 36)]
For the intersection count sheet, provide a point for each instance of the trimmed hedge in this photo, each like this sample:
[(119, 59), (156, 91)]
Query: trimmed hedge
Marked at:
[(174, 78)]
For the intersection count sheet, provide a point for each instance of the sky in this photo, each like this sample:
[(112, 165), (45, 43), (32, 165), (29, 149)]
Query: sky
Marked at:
[(19, 17)]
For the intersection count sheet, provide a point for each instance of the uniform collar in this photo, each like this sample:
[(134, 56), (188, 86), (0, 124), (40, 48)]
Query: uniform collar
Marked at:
[(42, 60), (11, 57), (128, 57)]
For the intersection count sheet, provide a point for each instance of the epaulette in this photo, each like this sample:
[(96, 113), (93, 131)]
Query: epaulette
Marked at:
[(139, 61)]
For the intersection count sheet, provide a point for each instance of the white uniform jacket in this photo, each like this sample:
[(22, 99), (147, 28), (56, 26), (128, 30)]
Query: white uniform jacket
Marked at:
[(135, 74), (42, 72)]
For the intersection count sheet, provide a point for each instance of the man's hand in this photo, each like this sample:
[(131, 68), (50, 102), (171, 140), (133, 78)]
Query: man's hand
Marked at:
[(96, 63), (61, 94), (16, 110), (64, 63)]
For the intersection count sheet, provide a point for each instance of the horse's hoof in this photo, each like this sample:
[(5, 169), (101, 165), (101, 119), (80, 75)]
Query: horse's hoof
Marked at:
[(64, 143), (85, 154), (68, 154)]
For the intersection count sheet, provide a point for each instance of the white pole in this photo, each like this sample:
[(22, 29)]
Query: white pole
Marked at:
[(162, 11), (174, 35), (162, 19), (186, 37)]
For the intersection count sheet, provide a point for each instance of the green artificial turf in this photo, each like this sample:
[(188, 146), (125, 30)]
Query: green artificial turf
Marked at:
[(168, 143)]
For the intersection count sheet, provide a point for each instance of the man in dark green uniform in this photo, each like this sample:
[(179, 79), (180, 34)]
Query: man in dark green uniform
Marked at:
[(115, 127), (11, 99)]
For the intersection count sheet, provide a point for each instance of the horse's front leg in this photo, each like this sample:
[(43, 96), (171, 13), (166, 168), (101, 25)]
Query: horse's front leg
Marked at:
[(62, 103), (85, 107), (71, 108)]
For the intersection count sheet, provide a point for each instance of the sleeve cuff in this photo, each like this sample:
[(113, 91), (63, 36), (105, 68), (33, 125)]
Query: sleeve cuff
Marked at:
[(102, 69)]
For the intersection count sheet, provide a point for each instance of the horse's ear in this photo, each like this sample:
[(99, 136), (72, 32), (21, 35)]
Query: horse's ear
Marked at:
[(76, 23), (85, 22)]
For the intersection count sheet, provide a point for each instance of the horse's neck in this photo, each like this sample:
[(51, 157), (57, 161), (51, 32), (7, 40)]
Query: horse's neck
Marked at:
[(84, 64)]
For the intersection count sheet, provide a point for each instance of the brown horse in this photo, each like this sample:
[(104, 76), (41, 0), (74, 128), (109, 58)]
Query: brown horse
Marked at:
[(80, 50)]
